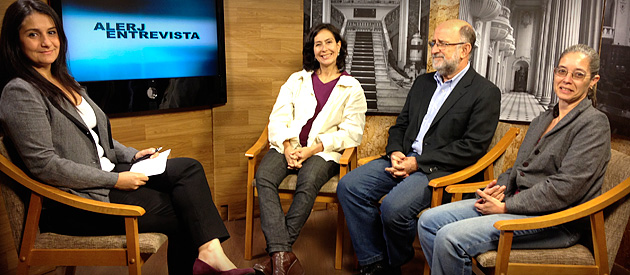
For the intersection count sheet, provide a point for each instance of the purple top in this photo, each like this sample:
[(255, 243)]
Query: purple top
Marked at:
[(322, 92)]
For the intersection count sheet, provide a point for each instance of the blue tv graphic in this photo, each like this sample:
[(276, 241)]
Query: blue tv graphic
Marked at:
[(141, 41)]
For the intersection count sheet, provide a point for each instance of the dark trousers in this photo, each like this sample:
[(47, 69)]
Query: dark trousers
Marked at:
[(281, 231), (178, 203)]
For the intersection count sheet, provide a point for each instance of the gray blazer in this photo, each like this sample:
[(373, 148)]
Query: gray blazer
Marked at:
[(563, 168), (54, 143)]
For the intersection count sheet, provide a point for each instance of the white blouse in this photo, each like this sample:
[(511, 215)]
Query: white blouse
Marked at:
[(88, 116)]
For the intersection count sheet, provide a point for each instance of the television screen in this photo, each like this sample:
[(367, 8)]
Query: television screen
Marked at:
[(134, 55)]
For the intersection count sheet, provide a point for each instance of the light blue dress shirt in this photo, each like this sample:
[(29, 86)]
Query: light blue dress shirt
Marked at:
[(442, 92)]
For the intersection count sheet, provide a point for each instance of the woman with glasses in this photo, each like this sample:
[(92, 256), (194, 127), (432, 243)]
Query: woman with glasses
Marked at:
[(560, 164)]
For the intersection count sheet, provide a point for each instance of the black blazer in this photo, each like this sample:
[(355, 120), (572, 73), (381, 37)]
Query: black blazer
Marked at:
[(461, 131)]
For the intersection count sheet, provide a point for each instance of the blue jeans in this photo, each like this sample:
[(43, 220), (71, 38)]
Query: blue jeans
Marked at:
[(384, 232), (282, 231), (453, 233)]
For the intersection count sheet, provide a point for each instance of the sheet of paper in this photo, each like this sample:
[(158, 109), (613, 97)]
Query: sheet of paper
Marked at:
[(154, 166)]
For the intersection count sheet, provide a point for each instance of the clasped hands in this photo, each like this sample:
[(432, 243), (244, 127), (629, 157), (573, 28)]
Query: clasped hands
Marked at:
[(402, 166), (129, 181), (491, 201), (295, 157)]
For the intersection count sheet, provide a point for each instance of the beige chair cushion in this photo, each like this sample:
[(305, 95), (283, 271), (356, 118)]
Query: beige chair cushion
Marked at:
[(289, 183), (616, 218), (149, 242), (574, 255)]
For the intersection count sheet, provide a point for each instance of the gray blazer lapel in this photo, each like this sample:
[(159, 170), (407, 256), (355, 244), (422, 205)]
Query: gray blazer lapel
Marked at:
[(72, 115), (101, 123)]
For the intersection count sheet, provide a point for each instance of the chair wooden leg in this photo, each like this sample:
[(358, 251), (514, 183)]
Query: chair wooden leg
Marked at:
[(599, 241), (478, 269), (70, 270), (339, 240), (22, 268), (503, 252), (30, 233), (436, 196), (249, 224), (134, 262)]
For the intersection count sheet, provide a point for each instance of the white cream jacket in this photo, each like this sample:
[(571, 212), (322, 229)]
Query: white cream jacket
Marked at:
[(338, 126)]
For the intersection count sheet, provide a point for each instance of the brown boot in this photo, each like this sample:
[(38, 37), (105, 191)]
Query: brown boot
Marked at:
[(286, 263), (264, 268)]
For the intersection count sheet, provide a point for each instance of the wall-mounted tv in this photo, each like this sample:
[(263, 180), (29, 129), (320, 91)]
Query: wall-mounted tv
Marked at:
[(139, 55)]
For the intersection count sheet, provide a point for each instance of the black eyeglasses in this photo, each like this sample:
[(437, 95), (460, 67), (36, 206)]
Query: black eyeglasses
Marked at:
[(442, 45), (576, 75)]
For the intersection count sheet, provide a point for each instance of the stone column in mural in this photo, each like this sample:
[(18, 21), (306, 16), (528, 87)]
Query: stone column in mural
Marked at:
[(316, 12), (402, 33), (506, 49), (417, 48), (592, 13), (326, 6), (550, 60), (464, 11), (499, 31), (569, 31), (483, 12), (621, 19), (542, 55)]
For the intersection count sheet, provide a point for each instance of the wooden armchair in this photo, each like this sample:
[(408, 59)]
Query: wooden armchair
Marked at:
[(504, 141), (500, 156), (608, 213), (49, 249), (328, 193)]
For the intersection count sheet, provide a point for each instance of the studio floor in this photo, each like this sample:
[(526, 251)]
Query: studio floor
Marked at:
[(315, 248)]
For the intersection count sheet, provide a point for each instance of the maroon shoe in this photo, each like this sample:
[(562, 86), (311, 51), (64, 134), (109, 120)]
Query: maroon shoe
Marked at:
[(202, 268), (286, 263), (264, 268)]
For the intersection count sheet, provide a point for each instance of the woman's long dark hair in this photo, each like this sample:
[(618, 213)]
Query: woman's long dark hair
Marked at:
[(309, 62), (14, 63)]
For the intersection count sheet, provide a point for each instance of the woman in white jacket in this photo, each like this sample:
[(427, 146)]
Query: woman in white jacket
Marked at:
[(319, 112)]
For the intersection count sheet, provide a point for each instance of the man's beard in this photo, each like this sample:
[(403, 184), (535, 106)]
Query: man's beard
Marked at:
[(447, 67)]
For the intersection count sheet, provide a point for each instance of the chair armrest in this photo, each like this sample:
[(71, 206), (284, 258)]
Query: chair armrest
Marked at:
[(53, 193), (466, 187), (588, 208), (260, 144), (348, 154), (348, 161), (365, 160), (481, 164)]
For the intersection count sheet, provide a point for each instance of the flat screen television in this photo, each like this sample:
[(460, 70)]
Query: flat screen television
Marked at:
[(139, 56)]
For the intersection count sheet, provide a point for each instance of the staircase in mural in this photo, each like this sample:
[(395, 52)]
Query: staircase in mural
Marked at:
[(366, 62), (363, 66)]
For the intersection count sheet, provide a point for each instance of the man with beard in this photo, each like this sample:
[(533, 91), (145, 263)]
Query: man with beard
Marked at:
[(446, 124)]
